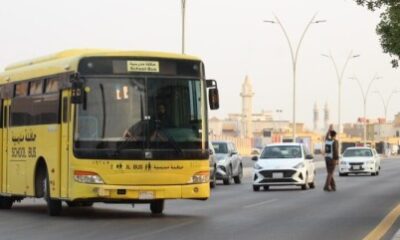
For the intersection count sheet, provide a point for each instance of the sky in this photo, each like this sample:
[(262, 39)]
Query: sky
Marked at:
[(232, 40)]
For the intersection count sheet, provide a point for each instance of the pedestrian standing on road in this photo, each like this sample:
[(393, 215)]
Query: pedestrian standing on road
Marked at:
[(327, 136), (331, 160)]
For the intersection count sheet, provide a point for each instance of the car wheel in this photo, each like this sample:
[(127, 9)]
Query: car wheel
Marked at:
[(213, 182), (228, 179), (373, 174), (256, 188), (238, 178), (311, 185), (342, 174), (266, 188), (305, 185)]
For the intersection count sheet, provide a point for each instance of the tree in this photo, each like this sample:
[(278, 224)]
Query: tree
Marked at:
[(389, 27)]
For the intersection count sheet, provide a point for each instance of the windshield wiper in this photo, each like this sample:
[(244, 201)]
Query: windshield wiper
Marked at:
[(170, 140)]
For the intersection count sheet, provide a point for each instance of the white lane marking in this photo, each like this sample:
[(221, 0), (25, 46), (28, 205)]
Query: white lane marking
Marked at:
[(147, 234), (260, 203)]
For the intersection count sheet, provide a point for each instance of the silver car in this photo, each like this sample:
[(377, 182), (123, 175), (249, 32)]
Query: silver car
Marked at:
[(213, 167), (229, 166)]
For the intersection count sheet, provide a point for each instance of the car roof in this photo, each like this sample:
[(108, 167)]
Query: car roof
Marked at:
[(220, 141), (284, 144), (351, 148)]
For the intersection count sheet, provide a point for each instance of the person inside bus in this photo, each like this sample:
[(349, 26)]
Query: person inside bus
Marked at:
[(162, 120), (155, 125)]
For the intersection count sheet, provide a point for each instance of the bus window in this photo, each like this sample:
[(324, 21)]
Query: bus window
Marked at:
[(52, 85), (35, 87), (21, 89)]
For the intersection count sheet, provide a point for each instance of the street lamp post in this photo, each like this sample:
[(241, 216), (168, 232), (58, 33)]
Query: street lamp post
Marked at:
[(365, 95), (294, 57), (339, 76), (183, 7), (386, 103)]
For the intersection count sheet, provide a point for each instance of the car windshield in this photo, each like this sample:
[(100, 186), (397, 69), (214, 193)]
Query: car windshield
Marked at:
[(278, 152), (357, 153), (220, 147)]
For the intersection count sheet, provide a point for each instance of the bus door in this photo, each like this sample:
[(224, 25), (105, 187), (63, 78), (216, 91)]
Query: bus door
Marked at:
[(4, 146), (64, 152)]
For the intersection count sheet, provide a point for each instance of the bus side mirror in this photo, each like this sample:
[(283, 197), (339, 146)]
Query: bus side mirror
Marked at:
[(77, 92), (213, 96)]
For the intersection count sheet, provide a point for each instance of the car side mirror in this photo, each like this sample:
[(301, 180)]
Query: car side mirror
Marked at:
[(309, 157), (210, 152), (254, 158)]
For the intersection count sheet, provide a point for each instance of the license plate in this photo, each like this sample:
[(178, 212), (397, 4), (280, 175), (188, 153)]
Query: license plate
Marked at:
[(277, 175), (356, 167), (145, 195)]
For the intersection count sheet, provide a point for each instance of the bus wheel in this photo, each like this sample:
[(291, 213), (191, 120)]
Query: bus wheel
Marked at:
[(157, 207), (54, 206), (6, 202)]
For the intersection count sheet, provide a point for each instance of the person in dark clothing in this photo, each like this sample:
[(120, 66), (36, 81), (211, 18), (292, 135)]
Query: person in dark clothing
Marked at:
[(331, 160)]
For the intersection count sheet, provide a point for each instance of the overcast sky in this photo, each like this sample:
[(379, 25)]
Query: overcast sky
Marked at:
[(231, 38)]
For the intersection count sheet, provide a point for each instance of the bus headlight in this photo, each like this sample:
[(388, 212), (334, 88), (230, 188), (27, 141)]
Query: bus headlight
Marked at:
[(87, 177), (200, 177)]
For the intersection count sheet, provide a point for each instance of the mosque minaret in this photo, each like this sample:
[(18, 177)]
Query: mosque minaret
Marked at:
[(247, 108)]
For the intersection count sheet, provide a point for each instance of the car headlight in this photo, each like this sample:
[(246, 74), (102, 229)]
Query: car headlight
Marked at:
[(200, 177), (221, 161), (370, 162), (299, 165), (257, 166), (87, 177)]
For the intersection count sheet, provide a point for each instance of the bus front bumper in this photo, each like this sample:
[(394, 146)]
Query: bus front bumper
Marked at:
[(124, 192)]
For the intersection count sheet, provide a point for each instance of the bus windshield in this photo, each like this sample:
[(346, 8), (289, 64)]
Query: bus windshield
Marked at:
[(123, 116)]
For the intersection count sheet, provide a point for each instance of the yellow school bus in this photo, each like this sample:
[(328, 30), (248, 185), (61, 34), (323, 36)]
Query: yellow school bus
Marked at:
[(86, 126)]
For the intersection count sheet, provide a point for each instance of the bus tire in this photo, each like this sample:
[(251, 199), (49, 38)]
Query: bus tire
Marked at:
[(40, 174), (54, 206), (6, 202), (157, 206)]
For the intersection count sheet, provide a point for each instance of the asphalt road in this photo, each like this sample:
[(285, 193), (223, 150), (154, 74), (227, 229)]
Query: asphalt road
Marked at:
[(233, 212)]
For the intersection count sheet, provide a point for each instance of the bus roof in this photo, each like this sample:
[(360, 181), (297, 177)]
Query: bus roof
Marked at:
[(67, 61)]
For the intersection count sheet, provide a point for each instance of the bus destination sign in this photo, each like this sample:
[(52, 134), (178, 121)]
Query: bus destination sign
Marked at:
[(143, 66)]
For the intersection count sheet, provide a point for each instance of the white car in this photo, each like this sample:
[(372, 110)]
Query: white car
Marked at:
[(284, 164), (360, 160)]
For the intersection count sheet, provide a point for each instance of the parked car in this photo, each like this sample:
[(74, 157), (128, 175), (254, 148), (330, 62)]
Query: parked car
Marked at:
[(229, 166), (359, 160), (213, 167), (284, 164)]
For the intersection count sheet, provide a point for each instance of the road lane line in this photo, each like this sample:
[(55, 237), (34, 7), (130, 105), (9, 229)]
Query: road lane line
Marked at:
[(384, 226), (260, 203)]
